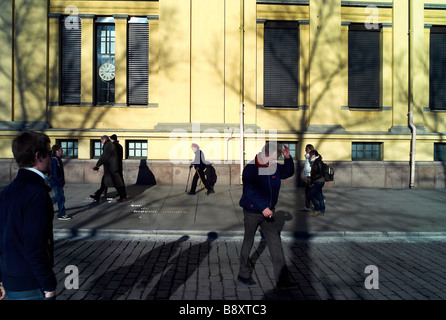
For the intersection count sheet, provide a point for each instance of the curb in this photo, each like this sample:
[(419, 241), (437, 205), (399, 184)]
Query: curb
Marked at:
[(235, 235)]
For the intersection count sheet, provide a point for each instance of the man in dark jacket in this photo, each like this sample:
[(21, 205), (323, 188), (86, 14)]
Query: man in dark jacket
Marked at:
[(199, 164), (261, 186), (111, 176), (119, 154), (26, 223)]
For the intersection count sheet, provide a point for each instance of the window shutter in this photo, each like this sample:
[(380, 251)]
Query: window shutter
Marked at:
[(138, 63), (363, 67), (437, 68), (281, 64), (71, 64)]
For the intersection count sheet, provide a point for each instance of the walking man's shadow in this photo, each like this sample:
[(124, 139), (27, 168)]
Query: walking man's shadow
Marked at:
[(181, 268), (136, 275), (133, 281)]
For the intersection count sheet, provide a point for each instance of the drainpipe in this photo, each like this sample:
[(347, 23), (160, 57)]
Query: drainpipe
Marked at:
[(412, 149), (242, 94), (411, 100)]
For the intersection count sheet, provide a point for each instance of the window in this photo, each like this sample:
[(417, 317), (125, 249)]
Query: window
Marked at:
[(292, 146), (281, 64), (437, 68), (136, 149), (105, 61), (440, 152), (138, 61), (96, 149), (70, 148), (366, 151), (363, 67), (70, 62)]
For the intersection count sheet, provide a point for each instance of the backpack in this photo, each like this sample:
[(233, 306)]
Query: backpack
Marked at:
[(210, 175), (328, 173)]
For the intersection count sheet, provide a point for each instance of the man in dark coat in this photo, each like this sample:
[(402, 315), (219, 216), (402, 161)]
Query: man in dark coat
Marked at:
[(119, 153), (111, 176), (261, 185), (26, 224)]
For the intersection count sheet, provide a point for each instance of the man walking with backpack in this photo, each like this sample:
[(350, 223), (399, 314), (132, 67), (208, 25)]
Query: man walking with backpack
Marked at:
[(317, 183)]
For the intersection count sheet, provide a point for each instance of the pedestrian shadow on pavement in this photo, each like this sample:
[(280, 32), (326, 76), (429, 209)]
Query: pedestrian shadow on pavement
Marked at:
[(173, 262), (128, 282), (181, 268)]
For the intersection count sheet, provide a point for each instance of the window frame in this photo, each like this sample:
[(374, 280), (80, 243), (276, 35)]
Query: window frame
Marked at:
[(75, 149), (138, 61), (93, 149), (370, 59), (443, 151), (380, 146), (128, 149), (277, 91), (437, 33), (99, 23), (70, 47)]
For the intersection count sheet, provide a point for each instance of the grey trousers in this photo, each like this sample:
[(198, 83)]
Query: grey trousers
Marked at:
[(270, 229)]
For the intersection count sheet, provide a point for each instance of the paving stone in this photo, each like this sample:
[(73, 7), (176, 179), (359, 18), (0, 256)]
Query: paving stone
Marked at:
[(326, 269)]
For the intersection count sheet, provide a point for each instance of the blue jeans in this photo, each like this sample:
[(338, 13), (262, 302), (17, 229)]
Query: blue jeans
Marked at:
[(59, 197), (36, 294), (317, 197)]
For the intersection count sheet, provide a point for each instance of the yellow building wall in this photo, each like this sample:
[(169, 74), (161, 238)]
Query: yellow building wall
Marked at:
[(30, 61), (6, 74), (207, 61), (195, 75)]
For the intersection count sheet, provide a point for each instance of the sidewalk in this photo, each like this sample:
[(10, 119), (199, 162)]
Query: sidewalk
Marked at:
[(166, 210)]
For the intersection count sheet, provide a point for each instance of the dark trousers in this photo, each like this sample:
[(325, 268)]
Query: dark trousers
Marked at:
[(270, 229), (59, 198), (307, 195), (121, 190), (317, 196), (195, 180)]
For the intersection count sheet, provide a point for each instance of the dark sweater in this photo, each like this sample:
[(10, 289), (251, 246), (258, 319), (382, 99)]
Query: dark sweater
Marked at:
[(26, 234), (261, 191), (57, 178)]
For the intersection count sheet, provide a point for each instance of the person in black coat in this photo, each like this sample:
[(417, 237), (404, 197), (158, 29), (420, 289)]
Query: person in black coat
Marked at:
[(26, 224), (119, 154), (317, 183), (111, 176), (261, 185)]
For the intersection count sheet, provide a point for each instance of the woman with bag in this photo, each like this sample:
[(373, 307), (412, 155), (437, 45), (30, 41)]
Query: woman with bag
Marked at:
[(317, 183)]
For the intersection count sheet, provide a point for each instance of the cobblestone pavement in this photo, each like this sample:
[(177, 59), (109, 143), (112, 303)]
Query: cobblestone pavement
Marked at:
[(186, 268)]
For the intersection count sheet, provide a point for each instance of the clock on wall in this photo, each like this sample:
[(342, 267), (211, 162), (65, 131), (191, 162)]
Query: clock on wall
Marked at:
[(107, 71)]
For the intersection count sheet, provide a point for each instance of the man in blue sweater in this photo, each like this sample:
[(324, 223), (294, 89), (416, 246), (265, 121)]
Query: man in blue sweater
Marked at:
[(261, 185), (26, 224)]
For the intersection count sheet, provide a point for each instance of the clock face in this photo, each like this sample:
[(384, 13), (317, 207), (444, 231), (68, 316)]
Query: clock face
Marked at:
[(107, 71)]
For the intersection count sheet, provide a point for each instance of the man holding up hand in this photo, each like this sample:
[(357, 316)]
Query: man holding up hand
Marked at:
[(261, 185)]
